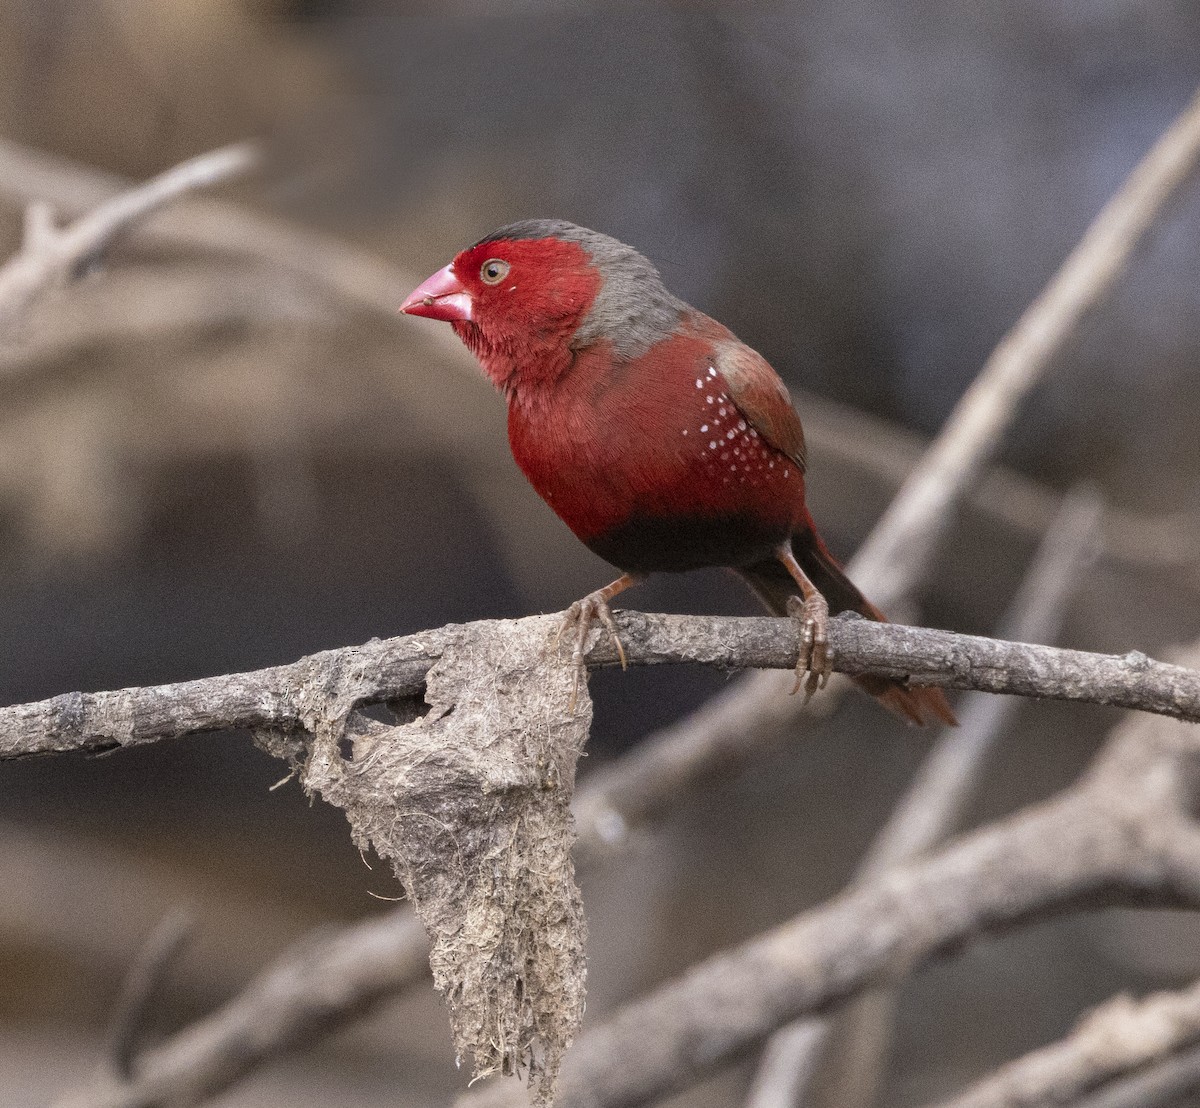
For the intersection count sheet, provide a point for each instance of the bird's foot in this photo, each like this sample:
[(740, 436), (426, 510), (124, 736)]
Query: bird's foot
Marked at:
[(577, 622), (815, 662)]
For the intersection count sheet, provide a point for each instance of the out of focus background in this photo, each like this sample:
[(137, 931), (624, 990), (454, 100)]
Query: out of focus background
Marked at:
[(209, 463)]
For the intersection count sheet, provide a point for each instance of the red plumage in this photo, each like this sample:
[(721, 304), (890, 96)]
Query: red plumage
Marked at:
[(659, 438)]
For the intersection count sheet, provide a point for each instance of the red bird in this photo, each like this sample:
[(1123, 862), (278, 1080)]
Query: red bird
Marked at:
[(659, 438)]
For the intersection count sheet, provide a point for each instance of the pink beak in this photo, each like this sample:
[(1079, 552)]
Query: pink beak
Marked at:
[(442, 296)]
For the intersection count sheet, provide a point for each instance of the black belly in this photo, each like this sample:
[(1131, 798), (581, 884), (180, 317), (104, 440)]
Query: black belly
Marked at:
[(675, 544)]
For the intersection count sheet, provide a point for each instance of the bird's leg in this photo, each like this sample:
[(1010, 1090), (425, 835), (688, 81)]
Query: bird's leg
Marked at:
[(579, 617), (815, 663)]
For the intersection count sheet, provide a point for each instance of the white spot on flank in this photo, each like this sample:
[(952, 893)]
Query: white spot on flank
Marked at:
[(722, 410), (741, 424), (703, 428), (712, 372), (785, 473), (713, 445), (708, 399), (770, 465), (730, 434), (685, 430), (699, 383)]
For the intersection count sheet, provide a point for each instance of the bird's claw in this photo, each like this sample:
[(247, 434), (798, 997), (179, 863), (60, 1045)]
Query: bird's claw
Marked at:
[(578, 620), (815, 663)]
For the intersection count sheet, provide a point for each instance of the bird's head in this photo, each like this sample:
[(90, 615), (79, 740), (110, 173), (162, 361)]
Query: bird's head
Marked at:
[(529, 296)]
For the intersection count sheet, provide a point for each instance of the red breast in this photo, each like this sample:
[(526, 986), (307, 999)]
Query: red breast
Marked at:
[(659, 436)]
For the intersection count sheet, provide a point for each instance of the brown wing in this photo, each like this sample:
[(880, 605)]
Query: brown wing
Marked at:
[(762, 398)]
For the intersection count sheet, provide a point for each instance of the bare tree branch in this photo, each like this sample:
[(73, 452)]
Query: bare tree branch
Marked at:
[(730, 727), (889, 453), (1165, 1081), (1118, 1040), (330, 685), (928, 812), (316, 986), (353, 275), (1125, 834), (316, 697), (144, 979), (49, 257), (915, 522)]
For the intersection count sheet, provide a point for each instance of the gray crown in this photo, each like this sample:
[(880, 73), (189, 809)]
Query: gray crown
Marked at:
[(633, 309)]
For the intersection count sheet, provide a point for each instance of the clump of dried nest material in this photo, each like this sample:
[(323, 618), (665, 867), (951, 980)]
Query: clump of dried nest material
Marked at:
[(471, 803)]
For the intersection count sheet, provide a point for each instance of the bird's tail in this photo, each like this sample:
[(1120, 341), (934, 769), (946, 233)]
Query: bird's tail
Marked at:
[(774, 586)]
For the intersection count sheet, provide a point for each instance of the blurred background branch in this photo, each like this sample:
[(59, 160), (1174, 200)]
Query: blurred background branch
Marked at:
[(929, 812), (1125, 832), (49, 256), (1121, 1038), (354, 276)]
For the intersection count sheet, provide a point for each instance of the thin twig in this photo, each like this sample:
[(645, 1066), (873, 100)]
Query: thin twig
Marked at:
[(49, 257), (1166, 1080), (354, 275), (309, 991), (144, 979), (928, 812), (1116, 1041)]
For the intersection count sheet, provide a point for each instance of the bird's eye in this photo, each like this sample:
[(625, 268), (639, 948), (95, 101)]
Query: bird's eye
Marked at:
[(493, 271)]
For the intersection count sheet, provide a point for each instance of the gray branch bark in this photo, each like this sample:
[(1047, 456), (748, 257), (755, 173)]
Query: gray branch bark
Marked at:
[(929, 812), (484, 681), (323, 689), (1126, 833)]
